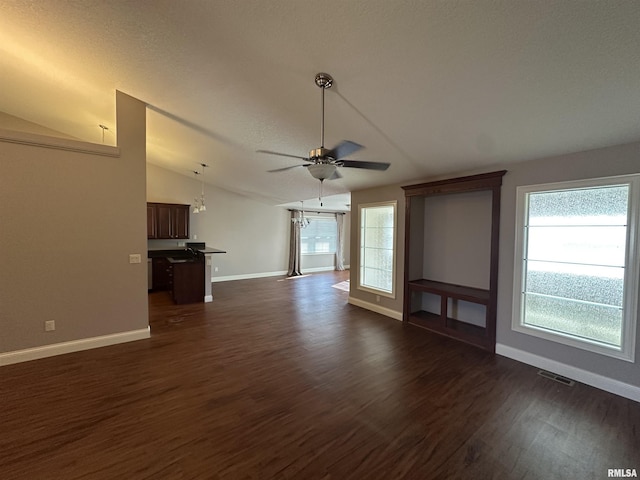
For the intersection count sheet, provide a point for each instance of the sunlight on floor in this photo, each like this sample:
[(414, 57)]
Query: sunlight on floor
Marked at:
[(342, 286)]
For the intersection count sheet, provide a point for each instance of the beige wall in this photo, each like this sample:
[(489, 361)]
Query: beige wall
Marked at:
[(69, 221), (382, 194), (457, 238)]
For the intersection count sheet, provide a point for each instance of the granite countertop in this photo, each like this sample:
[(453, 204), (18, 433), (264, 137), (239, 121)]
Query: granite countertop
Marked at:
[(206, 250)]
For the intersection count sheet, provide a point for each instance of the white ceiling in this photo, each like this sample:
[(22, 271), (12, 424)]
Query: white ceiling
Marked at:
[(432, 87)]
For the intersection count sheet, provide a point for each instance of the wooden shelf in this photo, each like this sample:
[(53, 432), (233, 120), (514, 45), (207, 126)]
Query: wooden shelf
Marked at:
[(468, 294), (441, 323), (451, 327)]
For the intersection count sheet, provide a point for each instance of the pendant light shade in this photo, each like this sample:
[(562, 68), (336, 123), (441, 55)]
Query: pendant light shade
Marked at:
[(322, 171)]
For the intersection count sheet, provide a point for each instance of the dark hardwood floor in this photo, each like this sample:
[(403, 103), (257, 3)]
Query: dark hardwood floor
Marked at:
[(283, 379)]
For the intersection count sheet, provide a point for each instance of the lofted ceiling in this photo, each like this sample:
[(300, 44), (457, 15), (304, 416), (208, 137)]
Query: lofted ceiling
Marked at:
[(433, 87)]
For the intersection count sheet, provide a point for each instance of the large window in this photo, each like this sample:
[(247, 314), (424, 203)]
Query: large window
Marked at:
[(320, 236), (577, 264), (377, 248)]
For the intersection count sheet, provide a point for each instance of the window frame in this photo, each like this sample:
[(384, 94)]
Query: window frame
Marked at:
[(321, 218), (631, 267), (367, 288)]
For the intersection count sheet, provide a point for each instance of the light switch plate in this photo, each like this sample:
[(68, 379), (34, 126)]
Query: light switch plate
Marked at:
[(135, 258)]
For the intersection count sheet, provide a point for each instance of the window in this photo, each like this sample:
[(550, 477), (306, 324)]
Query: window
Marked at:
[(577, 264), (377, 248), (320, 236)]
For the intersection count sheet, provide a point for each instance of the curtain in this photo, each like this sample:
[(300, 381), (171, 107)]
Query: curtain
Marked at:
[(340, 242), (294, 246)]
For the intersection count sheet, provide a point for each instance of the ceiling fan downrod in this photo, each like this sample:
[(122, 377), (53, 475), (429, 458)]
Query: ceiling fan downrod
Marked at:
[(324, 81)]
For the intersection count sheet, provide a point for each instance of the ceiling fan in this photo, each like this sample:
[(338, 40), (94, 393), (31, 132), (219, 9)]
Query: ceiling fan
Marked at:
[(323, 163)]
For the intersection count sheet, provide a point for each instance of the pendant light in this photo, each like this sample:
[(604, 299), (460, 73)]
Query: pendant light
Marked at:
[(202, 207), (196, 208), (199, 205), (301, 221)]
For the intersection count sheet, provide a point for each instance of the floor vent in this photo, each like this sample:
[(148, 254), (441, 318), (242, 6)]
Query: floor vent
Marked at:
[(556, 378)]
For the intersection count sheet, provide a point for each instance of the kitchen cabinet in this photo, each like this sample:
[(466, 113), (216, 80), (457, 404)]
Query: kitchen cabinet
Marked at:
[(187, 282), (181, 273), (152, 230), (161, 273), (167, 221)]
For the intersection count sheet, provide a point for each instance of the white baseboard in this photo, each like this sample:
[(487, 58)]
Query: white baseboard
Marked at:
[(583, 376), (376, 308), (321, 269), (317, 269), (246, 276), (72, 346)]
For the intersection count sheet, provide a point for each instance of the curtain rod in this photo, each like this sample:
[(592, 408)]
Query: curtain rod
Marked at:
[(314, 211)]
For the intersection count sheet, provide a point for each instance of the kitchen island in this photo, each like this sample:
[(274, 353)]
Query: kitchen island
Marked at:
[(185, 272)]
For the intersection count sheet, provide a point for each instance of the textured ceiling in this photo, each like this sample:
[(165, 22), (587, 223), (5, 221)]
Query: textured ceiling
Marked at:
[(432, 87)]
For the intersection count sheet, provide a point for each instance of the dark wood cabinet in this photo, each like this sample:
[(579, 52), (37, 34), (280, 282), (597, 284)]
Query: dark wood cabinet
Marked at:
[(152, 231), (164, 214), (161, 273), (167, 221), (188, 281), (182, 275), (441, 306), (180, 221)]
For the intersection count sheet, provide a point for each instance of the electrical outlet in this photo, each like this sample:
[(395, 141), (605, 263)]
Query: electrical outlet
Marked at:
[(135, 258), (215, 269), (49, 325), (195, 237)]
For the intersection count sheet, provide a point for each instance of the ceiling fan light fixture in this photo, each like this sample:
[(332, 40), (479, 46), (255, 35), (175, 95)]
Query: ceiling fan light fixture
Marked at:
[(323, 162), (322, 171)]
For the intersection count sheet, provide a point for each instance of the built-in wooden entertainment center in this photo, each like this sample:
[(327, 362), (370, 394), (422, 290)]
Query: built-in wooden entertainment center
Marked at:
[(439, 247)]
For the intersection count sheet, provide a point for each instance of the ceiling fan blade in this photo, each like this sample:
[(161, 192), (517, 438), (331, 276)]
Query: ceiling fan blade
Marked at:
[(362, 164), (283, 155), (286, 168), (336, 175), (343, 149)]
